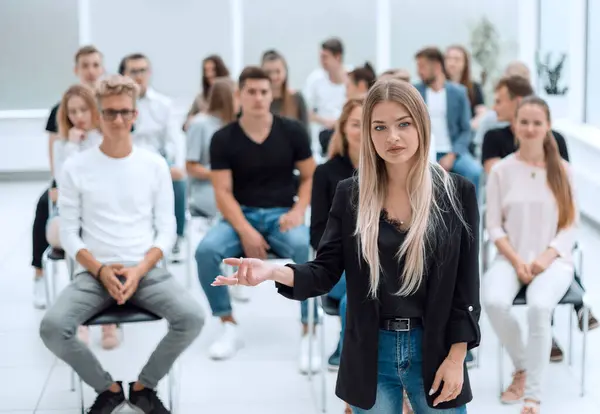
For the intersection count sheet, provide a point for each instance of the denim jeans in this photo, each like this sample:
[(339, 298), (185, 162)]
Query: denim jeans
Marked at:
[(399, 368), (222, 241), (467, 166), (179, 191), (339, 293)]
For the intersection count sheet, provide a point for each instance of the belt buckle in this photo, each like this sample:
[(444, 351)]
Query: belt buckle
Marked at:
[(401, 324)]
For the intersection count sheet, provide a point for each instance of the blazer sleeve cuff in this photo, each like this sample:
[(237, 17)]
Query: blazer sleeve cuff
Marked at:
[(462, 327), (300, 291)]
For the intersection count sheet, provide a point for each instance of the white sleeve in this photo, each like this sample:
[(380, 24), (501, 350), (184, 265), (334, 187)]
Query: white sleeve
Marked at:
[(164, 210), (432, 151), (173, 136), (69, 205), (309, 91), (62, 150)]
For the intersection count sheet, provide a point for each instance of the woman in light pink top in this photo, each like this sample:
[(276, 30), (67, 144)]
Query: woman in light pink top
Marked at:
[(532, 219)]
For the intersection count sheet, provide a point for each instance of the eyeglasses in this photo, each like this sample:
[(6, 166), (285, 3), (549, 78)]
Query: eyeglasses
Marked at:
[(111, 114), (140, 71)]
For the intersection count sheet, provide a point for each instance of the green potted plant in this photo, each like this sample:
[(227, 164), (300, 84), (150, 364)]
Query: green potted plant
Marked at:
[(485, 51)]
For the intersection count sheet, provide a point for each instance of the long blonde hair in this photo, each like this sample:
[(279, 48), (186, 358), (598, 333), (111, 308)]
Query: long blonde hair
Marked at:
[(424, 182), (87, 94)]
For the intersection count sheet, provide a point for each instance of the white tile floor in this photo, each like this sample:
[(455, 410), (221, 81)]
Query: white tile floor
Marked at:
[(263, 378)]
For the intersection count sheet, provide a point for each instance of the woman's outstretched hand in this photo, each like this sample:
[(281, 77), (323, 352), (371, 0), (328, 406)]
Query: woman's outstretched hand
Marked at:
[(250, 272)]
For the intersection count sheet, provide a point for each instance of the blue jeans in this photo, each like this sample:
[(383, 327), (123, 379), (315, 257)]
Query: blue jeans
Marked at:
[(222, 241), (399, 368), (179, 191), (467, 166), (339, 293)]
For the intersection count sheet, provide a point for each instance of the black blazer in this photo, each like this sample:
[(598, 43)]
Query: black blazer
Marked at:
[(452, 308), (325, 181)]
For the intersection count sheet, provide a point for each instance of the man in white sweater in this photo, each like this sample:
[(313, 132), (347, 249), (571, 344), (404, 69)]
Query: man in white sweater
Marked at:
[(116, 205)]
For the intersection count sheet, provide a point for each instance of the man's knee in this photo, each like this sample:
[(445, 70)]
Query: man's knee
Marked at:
[(207, 251), (53, 331), (191, 320)]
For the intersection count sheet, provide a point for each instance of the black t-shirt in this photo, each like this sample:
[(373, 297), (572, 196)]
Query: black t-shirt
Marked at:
[(477, 98), (262, 174), (392, 305), (52, 124), (500, 142)]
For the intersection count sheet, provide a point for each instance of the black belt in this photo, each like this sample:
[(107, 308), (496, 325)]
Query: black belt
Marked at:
[(400, 324)]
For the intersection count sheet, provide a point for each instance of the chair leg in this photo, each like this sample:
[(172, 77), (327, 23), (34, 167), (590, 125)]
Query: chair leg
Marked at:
[(501, 368), (46, 275), (81, 394), (311, 327), (72, 380), (54, 279), (171, 385), (323, 361), (586, 314), (188, 260), (570, 357)]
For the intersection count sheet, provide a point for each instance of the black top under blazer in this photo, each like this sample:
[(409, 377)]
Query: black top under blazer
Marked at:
[(452, 307)]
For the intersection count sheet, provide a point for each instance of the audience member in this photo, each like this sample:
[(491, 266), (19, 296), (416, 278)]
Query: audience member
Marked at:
[(78, 122), (252, 170), (360, 80), (286, 102), (221, 110), (458, 68), (117, 221), (532, 219), (213, 67), (450, 114), (500, 142), (490, 120), (88, 68), (155, 130), (326, 89)]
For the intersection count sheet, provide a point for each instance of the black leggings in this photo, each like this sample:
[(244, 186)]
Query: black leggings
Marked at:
[(40, 244)]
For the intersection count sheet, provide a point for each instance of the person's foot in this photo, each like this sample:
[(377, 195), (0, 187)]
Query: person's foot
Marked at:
[(39, 292), (110, 337), (531, 407), (515, 391), (108, 401), (83, 333), (333, 363), (227, 344), (146, 401), (556, 353), (592, 321), (470, 359), (306, 363)]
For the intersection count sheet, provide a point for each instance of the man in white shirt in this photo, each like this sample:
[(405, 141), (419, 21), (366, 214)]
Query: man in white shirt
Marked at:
[(156, 130), (117, 221), (325, 90)]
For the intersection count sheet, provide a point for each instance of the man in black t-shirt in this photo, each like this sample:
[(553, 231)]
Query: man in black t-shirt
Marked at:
[(253, 161), (500, 142)]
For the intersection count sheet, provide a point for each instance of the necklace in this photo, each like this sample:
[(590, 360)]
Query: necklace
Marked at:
[(539, 164)]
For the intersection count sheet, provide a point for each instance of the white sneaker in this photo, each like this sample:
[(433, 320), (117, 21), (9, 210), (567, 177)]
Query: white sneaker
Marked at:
[(39, 293), (177, 254), (306, 363), (239, 293), (227, 344)]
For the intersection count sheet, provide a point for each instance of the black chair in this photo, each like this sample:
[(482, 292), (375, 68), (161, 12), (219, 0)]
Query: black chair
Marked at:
[(575, 296), (119, 315)]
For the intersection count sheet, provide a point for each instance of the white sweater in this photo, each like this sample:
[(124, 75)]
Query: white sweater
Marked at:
[(122, 206)]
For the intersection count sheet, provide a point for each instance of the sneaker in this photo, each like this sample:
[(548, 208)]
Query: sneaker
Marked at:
[(146, 401), (110, 337), (515, 391), (227, 344), (108, 401), (556, 353), (39, 293), (306, 364), (239, 293), (333, 363), (592, 321), (176, 255)]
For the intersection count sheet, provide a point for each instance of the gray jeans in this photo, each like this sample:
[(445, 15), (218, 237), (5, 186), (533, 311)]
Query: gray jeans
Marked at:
[(158, 292)]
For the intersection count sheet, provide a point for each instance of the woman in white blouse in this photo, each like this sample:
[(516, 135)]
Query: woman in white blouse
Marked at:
[(78, 120), (532, 219)]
